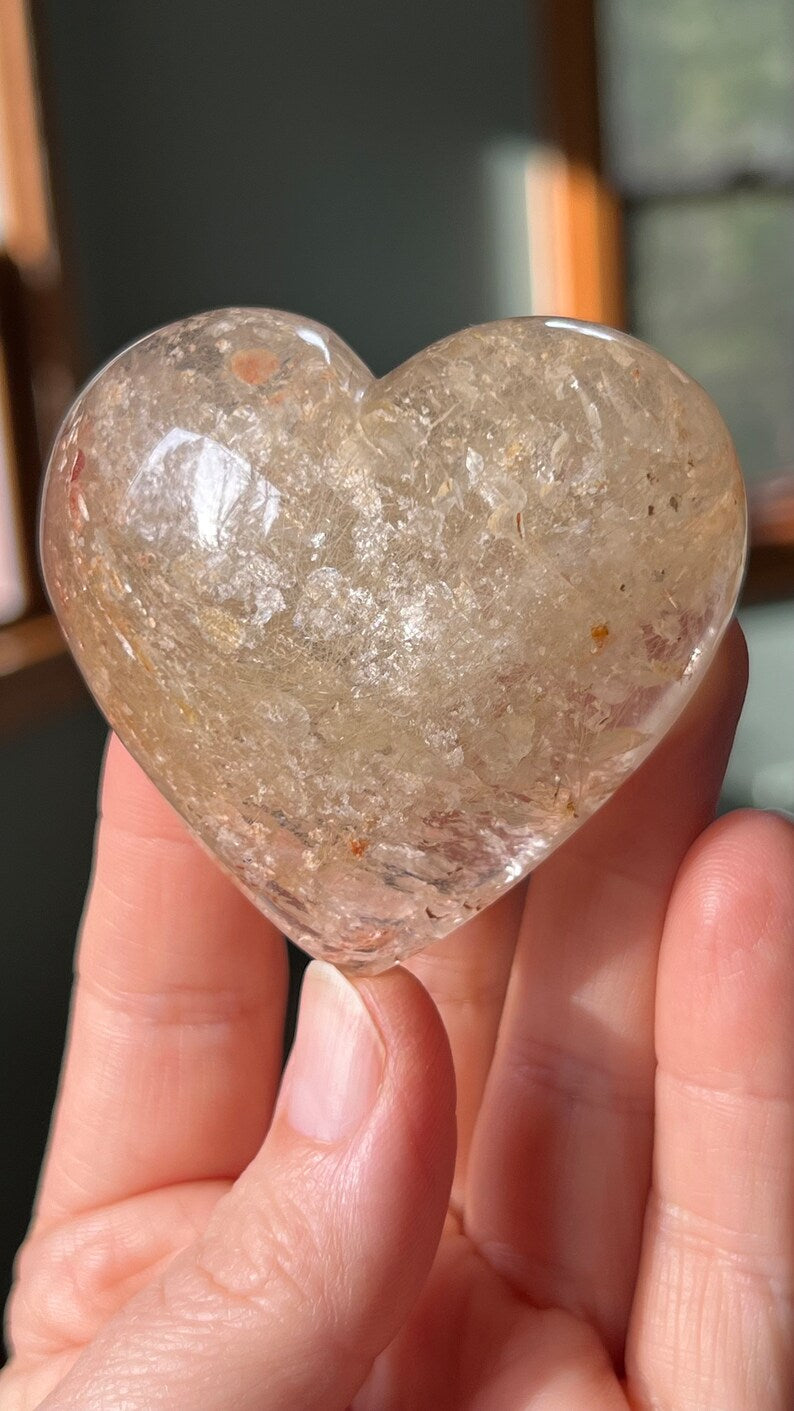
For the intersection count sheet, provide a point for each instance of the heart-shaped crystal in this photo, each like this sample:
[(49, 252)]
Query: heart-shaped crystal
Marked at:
[(385, 644)]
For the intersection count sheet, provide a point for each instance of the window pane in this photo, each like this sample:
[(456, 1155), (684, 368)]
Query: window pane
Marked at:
[(711, 283), (697, 93)]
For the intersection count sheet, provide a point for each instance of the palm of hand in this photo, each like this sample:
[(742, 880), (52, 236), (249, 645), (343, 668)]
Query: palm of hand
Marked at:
[(608, 1041)]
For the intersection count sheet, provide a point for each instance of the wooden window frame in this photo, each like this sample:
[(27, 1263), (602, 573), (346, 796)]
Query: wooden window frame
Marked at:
[(579, 218), (39, 348)]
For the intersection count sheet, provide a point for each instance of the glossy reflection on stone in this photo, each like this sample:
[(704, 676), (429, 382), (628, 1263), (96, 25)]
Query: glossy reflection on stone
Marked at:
[(385, 644)]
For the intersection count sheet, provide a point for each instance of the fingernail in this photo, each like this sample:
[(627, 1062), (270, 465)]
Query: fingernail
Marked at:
[(336, 1065)]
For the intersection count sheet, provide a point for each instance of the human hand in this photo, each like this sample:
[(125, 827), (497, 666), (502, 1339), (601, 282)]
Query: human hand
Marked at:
[(602, 1247)]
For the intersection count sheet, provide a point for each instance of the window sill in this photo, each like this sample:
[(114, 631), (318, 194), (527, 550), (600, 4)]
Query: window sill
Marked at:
[(770, 573), (38, 678)]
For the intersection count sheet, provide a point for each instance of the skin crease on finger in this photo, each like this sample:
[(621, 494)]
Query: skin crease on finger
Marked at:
[(477, 1340), (720, 1221)]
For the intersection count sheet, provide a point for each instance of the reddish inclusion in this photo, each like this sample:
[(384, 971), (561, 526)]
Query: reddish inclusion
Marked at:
[(254, 366)]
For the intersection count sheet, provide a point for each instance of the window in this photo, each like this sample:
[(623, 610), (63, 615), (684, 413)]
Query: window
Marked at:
[(36, 381), (697, 116), (694, 158)]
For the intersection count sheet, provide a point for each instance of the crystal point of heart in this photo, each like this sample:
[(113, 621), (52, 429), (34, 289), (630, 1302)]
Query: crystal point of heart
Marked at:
[(385, 644)]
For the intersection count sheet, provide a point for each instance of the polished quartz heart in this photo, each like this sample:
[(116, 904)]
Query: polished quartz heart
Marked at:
[(385, 644)]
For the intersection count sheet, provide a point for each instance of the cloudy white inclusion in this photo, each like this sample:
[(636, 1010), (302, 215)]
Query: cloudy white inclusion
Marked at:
[(212, 478)]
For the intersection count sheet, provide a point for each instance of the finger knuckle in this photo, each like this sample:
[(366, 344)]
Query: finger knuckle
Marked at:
[(258, 1258)]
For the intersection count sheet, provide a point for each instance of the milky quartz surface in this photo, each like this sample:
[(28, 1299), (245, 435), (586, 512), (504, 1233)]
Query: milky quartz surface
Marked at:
[(385, 644)]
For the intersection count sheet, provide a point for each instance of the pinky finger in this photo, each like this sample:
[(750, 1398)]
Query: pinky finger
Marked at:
[(713, 1320)]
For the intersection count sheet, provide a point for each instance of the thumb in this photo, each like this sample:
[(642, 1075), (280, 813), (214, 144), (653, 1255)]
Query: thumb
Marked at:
[(314, 1258)]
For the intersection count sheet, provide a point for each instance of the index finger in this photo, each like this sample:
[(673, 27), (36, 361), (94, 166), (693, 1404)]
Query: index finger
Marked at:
[(175, 1037)]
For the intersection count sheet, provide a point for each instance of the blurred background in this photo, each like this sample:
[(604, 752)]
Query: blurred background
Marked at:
[(396, 171)]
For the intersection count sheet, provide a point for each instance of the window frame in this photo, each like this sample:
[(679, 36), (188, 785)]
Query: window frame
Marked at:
[(37, 675)]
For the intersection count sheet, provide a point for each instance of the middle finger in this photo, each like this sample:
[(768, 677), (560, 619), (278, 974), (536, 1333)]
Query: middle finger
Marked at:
[(466, 974), (561, 1154)]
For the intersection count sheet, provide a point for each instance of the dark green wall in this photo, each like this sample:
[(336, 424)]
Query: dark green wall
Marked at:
[(48, 780), (325, 156)]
